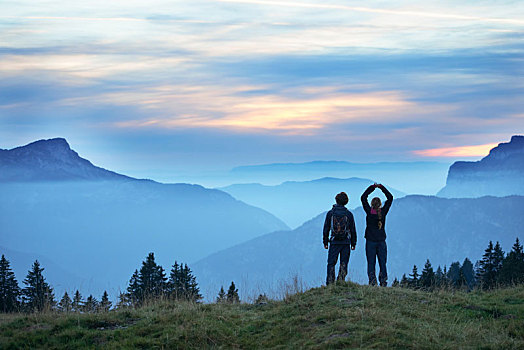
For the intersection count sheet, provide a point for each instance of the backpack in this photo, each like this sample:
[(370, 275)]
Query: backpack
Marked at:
[(339, 226)]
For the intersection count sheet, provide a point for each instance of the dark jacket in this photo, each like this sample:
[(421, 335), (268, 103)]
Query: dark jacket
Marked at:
[(352, 239), (373, 233)]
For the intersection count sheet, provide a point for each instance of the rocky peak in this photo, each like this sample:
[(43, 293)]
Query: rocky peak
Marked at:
[(504, 150)]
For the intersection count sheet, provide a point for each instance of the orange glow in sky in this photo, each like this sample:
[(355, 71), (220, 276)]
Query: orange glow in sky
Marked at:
[(461, 151)]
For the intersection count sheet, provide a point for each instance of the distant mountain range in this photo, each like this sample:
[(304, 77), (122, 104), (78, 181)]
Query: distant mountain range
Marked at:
[(298, 201), (424, 177), (418, 228), (500, 173), (100, 225)]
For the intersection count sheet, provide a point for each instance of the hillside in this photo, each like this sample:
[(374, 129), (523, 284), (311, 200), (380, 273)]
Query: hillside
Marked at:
[(295, 202), (418, 228), (342, 316), (100, 229), (500, 173)]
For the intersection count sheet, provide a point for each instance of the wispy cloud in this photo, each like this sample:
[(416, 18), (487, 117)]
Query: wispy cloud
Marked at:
[(457, 152)]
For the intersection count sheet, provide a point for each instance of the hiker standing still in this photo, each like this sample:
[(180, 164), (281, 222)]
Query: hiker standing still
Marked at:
[(340, 222), (376, 247)]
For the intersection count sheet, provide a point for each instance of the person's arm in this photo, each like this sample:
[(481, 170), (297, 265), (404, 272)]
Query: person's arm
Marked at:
[(327, 227), (353, 231), (389, 198), (364, 198)]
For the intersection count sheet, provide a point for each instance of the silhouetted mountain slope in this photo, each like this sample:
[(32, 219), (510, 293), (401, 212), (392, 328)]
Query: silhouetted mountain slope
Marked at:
[(49, 160), (295, 202), (418, 228), (101, 230), (500, 173)]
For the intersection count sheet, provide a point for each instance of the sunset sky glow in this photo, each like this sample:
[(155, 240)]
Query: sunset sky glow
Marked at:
[(151, 88)]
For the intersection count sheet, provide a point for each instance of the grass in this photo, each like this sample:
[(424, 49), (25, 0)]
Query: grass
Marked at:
[(345, 315)]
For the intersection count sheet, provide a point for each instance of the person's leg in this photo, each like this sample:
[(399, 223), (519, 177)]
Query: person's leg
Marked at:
[(371, 253), (332, 261), (382, 259), (344, 260)]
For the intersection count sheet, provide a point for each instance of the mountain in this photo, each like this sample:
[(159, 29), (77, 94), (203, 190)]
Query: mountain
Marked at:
[(297, 201), (424, 177), (500, 173), (49, 160), (418, 227), (101, 229)]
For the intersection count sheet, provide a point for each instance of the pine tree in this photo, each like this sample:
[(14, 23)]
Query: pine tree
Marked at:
[(512, 270), (454, 274), (65, 304), (38, 295), (487, 268), (414, 278), (151, 279), (105, 303), (221, 298), (404, 281), (439, 277), (232, 294), (395, 283), (182, 284), (427, 279), (134, 291), (78, 304), (91, 304), (124, 301), (467, 273), (9, 289)]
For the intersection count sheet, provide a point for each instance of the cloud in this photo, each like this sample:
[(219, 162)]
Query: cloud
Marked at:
[(457, 152)]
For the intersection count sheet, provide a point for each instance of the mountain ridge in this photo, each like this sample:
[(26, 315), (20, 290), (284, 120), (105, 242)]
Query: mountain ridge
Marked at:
[(500, 173), (50, 160)]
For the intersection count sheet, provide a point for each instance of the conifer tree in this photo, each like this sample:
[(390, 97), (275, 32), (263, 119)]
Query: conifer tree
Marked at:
[(232, 294), (9, 289), (134, 290), (38, 295), (221, 298), (395, 283), (105, 303), (78, 304), (512, 270), (414, 278), (91, 304), (124, 301), (427, 278), (467, 274), (65, 304), (487, 268), (439, 277), (182, 284), (454, 274), (404, 281), (151, 278)]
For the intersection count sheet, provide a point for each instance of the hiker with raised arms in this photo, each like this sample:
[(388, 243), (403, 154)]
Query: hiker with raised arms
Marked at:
[(341, 224), (376, 247)]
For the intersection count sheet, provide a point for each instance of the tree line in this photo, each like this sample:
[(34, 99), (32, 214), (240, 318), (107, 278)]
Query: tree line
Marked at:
[(495, 269), (147, 283)]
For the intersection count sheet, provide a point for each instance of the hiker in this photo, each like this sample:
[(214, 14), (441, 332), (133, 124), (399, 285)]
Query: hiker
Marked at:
[(340, 222), (376, 234)]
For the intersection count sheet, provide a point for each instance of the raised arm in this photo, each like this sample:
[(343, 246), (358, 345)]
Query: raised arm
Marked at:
[(389, 198), (327, 227), (364, 198)]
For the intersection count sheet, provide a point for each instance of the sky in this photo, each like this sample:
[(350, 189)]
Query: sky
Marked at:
[(159, 88)]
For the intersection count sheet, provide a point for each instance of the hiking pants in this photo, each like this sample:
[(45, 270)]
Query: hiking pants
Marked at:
[(334, 251), (376, 250)]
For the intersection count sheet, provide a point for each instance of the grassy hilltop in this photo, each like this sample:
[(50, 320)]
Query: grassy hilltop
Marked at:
[(346, 315)]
